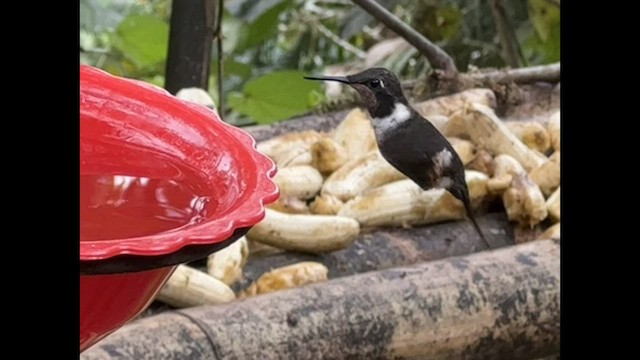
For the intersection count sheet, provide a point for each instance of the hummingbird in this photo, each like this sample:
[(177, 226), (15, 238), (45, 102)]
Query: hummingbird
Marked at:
[(408, 141)]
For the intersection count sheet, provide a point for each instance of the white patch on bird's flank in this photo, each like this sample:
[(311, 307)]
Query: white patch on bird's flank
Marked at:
[(442, 159), (444, 182), (386, 124)]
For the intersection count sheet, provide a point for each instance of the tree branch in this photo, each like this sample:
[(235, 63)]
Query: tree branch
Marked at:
[(191, 33), (336, 39), (547, 73), (439, 85), (438, 58)]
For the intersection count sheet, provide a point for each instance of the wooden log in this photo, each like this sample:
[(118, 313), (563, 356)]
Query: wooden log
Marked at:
[(383, 248), (390, 247), (501, 304)]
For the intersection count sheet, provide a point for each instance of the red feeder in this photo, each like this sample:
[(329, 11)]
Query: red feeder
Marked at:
[(162, 182)]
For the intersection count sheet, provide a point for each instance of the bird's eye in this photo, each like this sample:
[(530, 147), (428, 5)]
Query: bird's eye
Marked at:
[(375, 83)]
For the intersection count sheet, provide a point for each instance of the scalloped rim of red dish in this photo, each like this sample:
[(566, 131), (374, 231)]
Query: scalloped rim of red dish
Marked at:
[(252, 202)]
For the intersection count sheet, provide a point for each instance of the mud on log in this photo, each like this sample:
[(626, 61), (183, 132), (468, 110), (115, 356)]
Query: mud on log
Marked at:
[(501, 304)]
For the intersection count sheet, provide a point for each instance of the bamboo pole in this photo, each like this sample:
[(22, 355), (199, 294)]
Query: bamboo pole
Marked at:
[(385, 248), (501, 304)]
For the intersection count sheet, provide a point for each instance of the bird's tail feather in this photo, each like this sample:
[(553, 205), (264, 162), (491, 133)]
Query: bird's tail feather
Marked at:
[(459, 190), (467, 206)]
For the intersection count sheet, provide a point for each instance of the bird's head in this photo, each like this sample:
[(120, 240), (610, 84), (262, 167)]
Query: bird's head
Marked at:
[(378, 88)]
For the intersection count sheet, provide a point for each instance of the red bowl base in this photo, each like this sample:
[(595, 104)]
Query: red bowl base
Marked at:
[(109, 301)]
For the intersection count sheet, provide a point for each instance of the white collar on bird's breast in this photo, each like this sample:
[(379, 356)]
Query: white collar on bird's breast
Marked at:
[(387, 124)]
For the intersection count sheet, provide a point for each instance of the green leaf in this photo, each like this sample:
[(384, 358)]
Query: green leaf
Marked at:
[(234, 74), (232, 67), (276, 96), (449, 20), (264, 27), (543, 52), (121, 67), (543, 45), (437, 22), (545, 15), (143, 39)]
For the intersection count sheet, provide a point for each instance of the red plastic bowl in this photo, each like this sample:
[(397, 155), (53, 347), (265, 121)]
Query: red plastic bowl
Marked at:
[(122, 122)]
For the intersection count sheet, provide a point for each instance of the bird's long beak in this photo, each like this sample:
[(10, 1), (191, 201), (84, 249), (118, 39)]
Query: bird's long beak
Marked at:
[(341, 79)]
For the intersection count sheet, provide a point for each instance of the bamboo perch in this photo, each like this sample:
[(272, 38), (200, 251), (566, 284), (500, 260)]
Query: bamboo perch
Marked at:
[(501, 304), (389, 247), (384, 248)]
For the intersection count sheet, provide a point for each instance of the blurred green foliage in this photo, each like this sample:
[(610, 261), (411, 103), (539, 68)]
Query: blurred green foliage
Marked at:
[(276, 95), (270, 44), (143, 40), (544, 45)]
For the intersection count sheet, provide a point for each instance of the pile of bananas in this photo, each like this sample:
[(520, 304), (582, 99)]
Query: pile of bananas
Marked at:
[(333, 184)]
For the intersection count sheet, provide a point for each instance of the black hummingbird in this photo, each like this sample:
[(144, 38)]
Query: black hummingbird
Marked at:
[(407, 140)]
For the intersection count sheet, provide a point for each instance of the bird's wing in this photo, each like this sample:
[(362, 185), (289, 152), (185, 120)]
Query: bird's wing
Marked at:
[(421, 152)]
